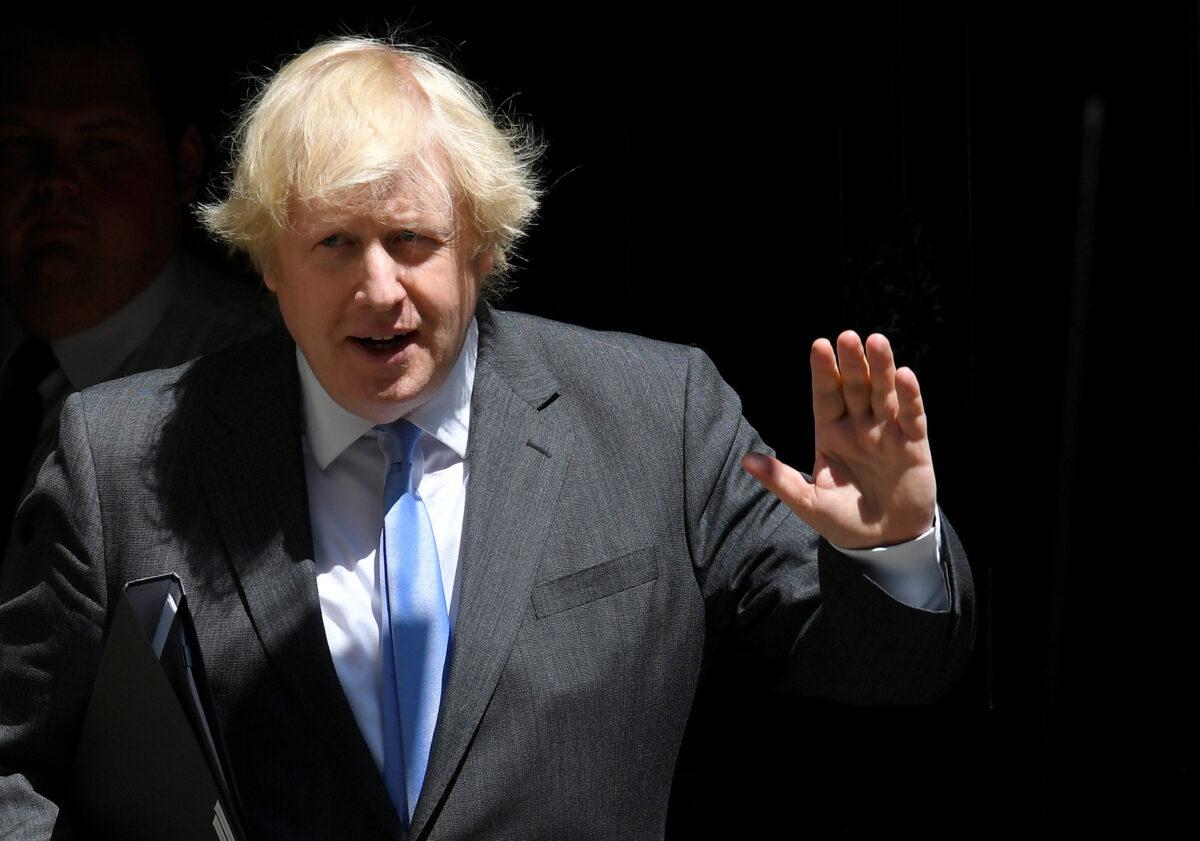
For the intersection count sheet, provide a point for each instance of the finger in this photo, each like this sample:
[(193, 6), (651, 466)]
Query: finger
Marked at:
[(783, 481), (884, 402), (856, 377), (911, 414), (828, 404)]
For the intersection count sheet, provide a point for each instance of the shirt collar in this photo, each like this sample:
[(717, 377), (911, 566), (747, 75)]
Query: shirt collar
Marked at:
[(95, 355), (446, 415)]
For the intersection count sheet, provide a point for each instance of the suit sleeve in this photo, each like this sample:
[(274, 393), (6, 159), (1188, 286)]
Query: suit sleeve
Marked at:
[(785, 603), (52, 607)]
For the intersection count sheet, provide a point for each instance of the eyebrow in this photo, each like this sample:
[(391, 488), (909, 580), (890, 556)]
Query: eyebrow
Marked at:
[(431, 222), (107, 124)]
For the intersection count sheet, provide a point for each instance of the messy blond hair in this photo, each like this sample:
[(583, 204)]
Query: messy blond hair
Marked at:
[(354, 116)]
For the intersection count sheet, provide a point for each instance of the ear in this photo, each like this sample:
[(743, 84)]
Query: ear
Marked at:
[(189, 161), (269, 280), (484, 263)]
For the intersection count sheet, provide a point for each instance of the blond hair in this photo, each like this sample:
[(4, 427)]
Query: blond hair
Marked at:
[(358, 115)]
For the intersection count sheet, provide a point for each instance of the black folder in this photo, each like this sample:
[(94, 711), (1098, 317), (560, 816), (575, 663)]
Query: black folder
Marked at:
[(151, 763)]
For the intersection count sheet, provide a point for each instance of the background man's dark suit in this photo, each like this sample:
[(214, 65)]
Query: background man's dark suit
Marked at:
[(611, 542)]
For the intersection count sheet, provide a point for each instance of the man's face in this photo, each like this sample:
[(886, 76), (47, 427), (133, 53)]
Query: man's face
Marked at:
[(90, 190), (379, 300)]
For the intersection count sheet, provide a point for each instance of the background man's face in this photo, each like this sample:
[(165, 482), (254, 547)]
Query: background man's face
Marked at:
[(379, 301), (90, 191)]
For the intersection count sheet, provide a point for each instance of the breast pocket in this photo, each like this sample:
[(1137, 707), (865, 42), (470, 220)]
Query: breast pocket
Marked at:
[(594, 583)]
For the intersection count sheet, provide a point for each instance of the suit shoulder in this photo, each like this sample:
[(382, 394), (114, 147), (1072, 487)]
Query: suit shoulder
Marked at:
[(567, 346), (208, 311), (211, 298), (627, 379), (118, 407)]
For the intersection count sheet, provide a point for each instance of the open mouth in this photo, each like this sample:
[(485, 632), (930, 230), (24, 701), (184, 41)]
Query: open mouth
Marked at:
[(385, 344), (56, 230)]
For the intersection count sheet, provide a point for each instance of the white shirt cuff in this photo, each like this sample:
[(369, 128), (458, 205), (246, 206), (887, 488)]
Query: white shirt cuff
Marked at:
[(910, 572)]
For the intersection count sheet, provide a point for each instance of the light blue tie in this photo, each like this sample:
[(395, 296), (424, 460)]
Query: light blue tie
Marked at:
[(415, 631)]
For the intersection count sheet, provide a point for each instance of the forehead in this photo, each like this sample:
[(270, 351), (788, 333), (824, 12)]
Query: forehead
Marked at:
[(76, 82), (396, 202)]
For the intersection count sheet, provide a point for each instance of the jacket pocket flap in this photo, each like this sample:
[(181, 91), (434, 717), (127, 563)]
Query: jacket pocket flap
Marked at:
[(595, 582)]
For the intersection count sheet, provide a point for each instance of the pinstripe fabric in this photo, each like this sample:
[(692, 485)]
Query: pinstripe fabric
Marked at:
[(611, 544)]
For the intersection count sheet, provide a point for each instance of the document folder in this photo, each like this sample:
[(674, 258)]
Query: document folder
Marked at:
[(151, 763)]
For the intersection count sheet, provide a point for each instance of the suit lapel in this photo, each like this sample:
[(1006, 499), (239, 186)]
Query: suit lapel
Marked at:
[(517, 456), (251, 468)]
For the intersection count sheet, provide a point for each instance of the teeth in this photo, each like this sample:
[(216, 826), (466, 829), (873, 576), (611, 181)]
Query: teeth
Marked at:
[(386, 340)]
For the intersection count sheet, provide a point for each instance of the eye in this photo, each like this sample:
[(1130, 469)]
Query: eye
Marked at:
[(333, 241), (101, 144), (410, 246), (19, 148), (423, 240)]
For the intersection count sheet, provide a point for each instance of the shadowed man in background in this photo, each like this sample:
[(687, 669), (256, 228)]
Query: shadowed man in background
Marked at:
[(98, 161)]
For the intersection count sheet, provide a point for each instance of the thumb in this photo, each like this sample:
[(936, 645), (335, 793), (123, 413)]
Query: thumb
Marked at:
[(785, 482)]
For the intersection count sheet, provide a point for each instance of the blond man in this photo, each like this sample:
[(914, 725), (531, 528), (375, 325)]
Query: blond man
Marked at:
[(583, 517)]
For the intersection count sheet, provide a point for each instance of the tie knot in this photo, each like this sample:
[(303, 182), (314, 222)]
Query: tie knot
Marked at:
[(401, 439)]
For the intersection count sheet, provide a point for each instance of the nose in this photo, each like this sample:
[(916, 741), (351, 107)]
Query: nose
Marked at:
[(381, 286), (59, 173)]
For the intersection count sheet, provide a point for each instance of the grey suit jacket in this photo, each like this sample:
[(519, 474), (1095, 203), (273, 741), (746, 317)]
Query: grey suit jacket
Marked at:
[(611, 542)]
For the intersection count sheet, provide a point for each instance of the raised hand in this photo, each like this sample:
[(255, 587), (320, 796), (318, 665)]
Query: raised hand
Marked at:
[(873, 482)]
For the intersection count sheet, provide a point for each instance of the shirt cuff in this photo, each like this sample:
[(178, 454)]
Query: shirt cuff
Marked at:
[(911, 573)]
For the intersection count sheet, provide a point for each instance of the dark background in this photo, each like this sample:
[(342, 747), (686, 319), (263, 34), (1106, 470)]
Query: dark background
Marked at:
[(1011, 195)]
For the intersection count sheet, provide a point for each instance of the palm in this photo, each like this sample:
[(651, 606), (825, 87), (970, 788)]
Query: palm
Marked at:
[(873, 482)]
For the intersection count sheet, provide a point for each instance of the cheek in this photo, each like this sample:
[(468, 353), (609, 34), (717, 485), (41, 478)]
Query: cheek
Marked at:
[(135, 196), (288, 308), (466, 293), (298, 316), (15, 191), (13, 179), (310, 317)]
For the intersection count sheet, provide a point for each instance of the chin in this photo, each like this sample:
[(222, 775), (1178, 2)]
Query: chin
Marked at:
[(385, 399), (386, 407)]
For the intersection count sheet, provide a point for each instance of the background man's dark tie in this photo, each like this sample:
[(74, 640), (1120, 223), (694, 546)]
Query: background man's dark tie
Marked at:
[(20, 420)]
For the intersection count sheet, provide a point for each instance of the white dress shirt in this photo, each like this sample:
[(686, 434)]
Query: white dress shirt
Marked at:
[(345, 466)]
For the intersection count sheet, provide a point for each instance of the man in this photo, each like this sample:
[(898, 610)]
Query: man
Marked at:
[(96, 169), (455, 571)]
